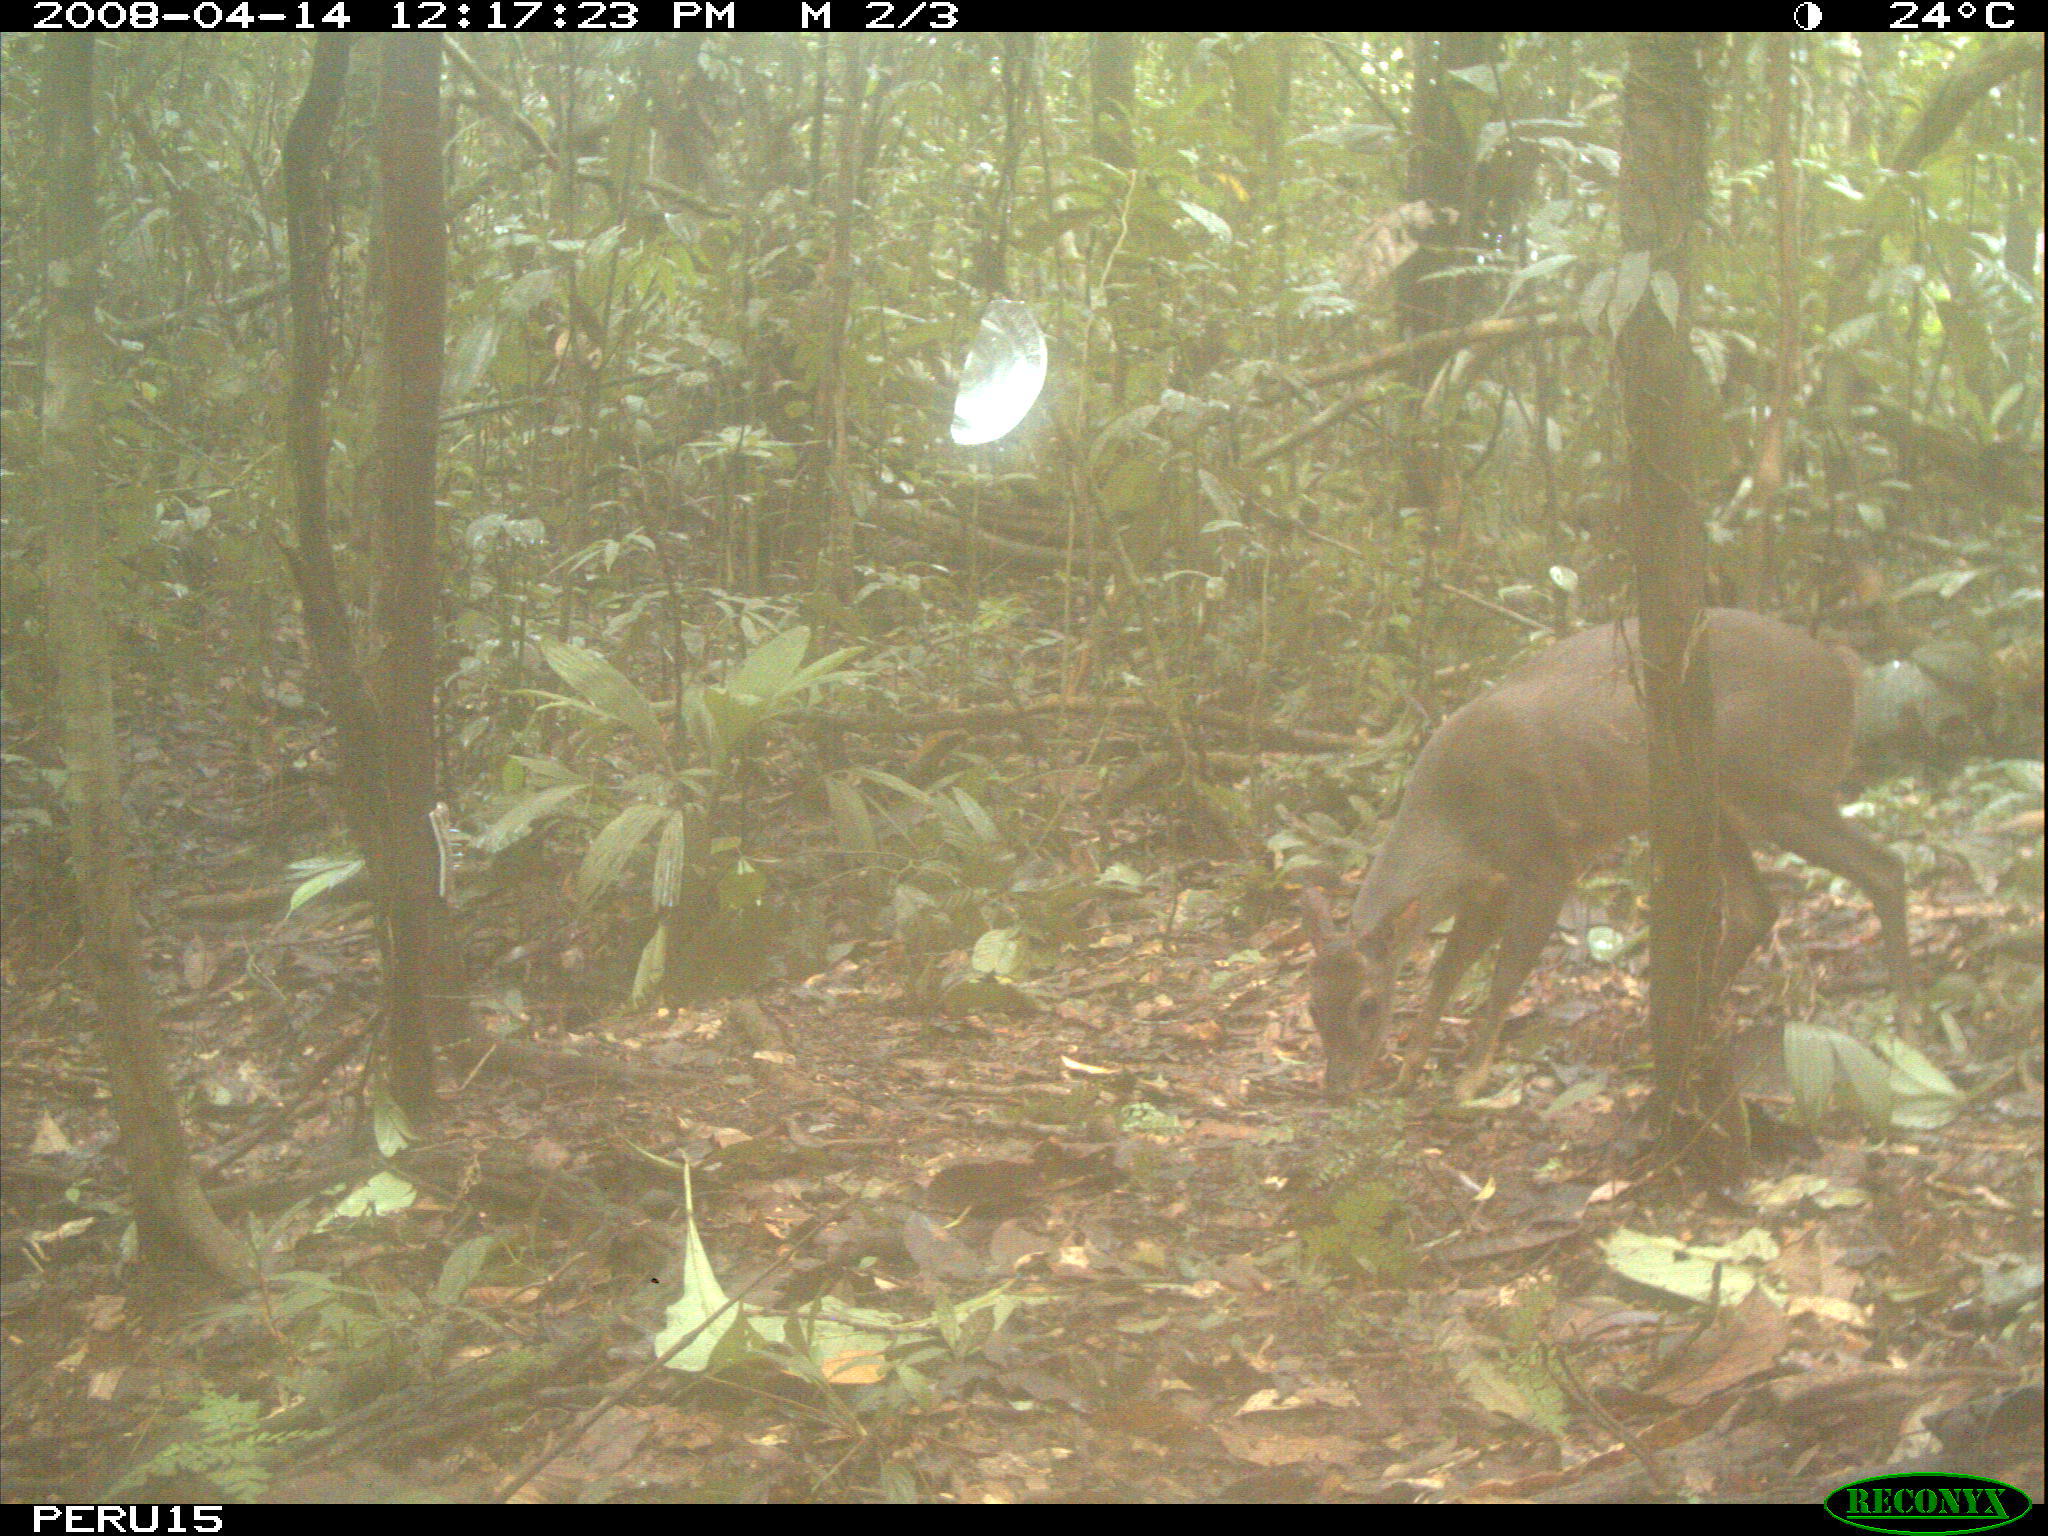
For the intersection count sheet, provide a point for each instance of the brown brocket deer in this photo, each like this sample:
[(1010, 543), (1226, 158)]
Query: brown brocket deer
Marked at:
[(1519, 789)]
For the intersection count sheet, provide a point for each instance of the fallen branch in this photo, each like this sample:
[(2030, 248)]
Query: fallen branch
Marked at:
[(911, 518), (1286, 738)]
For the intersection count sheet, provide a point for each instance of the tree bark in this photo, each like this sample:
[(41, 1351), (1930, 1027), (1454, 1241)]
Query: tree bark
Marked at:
[(170, 1211), (1663, 185), (412, 280)]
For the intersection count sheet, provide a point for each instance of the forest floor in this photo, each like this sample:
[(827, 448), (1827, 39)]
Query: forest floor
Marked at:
[(1109, 1247)]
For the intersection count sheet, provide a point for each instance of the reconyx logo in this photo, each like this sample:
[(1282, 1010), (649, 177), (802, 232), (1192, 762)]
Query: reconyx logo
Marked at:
[(1927, 1502)]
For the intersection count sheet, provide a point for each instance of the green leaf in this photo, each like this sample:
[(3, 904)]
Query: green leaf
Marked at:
[(1810, 1069), (1823, 1063), (730, 718), (672, 858), (741, 888), (976, 818), (1218, 228), (390, 1126), (999, 952), (1699, 1273), (702, 1297), (1923, 1098), (382, 1194), (607, 689), (462, 1267), (825, 669), (902, 787), (338, 872), (605, 860), (537, 773), (1867, 1080), (1540, 268), (1631, 279), (1593, 301), (766, 671), (850, 816), (506, 830), (653, 964)]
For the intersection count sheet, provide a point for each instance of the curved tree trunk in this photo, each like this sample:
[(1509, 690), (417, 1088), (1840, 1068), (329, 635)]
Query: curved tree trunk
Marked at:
[(170, 1211)]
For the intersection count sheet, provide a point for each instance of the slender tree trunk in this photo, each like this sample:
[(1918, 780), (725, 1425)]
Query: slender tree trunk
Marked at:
[(330, 642), (836, 552), (404, 667), (1663, 183), (1112, 87), (330, 636), (1441, 156), (1759, 585), (170, 1211)]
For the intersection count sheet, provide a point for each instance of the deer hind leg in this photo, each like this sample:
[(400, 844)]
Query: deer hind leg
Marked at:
[(1748, 911), (1820, 835)]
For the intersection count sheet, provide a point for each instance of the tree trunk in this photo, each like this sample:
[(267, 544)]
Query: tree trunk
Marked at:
[(835, 571), (1759, 586), (170, 1211), (1112, 85), (1440, 174), (1663, 174), (422, 995)]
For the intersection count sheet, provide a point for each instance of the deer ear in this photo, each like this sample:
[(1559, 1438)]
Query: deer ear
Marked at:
[(1322, 930)]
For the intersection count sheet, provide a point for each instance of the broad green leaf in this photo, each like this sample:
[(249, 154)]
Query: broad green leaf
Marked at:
[(381, 1194), (462, 1266), (702, 1297), (390, 1126), (1867, 1080), (1539, 268), (999, 952), (1695, 1273), (605, 860), (1810, 1069), (767, 669), (1218, 228), (976, 818), (469, 357), (902, 787), (653, 966), (1631, 278), (672, 858), (741, 887), (538, 773), (338, 872), (1923, 1098), (732, 717), (850, 816), (608, 690), (825, 669), (506, 830)]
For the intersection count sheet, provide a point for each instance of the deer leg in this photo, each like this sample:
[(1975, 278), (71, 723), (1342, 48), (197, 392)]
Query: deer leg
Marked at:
[(1820, 835), (1472, 934), (1747, 909), (1528, 915)]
